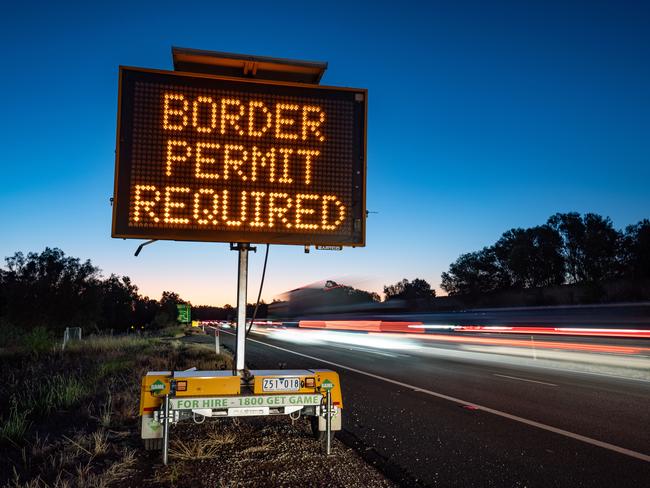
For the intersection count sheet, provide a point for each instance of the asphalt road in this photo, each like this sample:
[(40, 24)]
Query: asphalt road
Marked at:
[(443, 415)]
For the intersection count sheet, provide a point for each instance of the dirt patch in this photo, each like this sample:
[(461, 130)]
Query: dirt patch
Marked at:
[(255, 452)]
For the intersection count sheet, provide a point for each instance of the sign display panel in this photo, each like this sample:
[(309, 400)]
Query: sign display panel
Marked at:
[(207, 158)]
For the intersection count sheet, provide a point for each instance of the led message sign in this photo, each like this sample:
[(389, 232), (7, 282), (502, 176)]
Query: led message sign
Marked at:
[(206, 158)]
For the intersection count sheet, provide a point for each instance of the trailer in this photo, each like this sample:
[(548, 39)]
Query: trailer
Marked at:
[(176, 398)]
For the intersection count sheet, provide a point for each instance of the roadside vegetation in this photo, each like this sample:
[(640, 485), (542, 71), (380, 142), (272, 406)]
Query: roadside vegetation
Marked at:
[(69, 418), (569, 249), (51, 291)]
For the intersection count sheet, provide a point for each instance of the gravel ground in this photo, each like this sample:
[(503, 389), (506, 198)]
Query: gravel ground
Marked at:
[(256, 452)]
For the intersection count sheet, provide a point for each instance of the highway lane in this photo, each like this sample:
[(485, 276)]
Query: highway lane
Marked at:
[(445, 442)]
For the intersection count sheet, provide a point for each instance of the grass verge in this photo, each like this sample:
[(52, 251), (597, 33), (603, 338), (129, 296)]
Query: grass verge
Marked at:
[(70, 418)]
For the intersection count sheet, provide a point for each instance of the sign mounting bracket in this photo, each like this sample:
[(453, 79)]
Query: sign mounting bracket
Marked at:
[(137, 251)]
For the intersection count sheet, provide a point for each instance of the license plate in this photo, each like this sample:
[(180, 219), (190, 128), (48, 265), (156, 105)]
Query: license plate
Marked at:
[(247, 412), (280, 384)]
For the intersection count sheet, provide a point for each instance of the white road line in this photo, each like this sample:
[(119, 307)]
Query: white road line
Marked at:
[(539, 425), (371, 351), (523, 379), (593, 373)]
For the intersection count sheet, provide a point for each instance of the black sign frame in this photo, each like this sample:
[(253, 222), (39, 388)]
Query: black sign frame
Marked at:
[(121, 228)]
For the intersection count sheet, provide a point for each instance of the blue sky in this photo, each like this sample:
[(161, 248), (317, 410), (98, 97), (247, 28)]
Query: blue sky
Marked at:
[(483, 116)]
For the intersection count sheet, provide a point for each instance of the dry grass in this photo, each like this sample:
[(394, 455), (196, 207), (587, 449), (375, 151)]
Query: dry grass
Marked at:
[(221, 438), (257, 449), (105, 411), (75, 473), (14, 425), (98, 442), (168, 476), (196, 449), (93, 387), (200, 448), (109, 343)]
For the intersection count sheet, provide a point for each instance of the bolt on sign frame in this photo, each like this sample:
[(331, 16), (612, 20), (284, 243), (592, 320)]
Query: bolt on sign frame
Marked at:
[(225, 159)]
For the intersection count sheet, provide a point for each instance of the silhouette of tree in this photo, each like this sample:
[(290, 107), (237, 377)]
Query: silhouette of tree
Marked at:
[(415, 292), (119, 303), (590, 246), (569, 248), (341, 294), (51, 289), (635, 251), (472, 273), (529, 258), (56, 291), (572, 231), (601, 248)]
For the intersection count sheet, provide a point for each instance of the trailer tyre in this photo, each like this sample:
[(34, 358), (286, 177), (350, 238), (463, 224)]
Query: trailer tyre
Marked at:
[(155, 444), (319, 435)]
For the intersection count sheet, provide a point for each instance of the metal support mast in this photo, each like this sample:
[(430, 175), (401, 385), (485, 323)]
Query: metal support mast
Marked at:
[(242, 288)]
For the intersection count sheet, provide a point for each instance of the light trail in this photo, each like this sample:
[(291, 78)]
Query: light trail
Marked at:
[(498, 341), (416, 327), (499, 413), (563, 331)]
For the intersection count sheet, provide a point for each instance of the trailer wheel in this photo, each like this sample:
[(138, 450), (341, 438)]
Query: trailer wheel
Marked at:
[(319, 435), (155, 444)]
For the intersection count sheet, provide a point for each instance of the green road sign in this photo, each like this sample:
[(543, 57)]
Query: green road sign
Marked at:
[(327, 385), (184, 313)]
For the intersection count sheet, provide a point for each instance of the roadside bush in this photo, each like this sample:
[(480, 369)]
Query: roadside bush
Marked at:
[(173, 331), (38, 341)]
